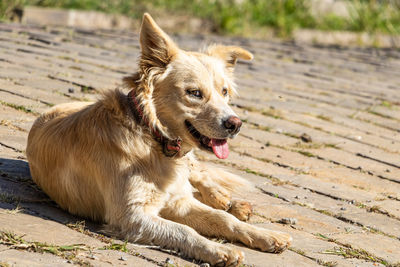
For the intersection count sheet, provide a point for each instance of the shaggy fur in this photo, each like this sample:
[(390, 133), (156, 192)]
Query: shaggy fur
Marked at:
[(97, 161)]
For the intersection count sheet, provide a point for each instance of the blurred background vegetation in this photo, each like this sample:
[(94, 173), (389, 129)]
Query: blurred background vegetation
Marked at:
[(239, 16)]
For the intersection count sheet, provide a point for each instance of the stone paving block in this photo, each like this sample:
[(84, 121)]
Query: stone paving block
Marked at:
[(386, 248), (285, 127), (351, 133), (358, 162), (158, 255), (11, 118), (387, 205), (324, 123), (289, 258), (107, 258), (34, 94), (13, 138), (392, 112), (8, 153), (44, 51), (22, 103), (310, 164), (344, 210), (276, 154), (316, 248), (14, 257), (35, 228), (377, 120), (343, 234), (267, 137)]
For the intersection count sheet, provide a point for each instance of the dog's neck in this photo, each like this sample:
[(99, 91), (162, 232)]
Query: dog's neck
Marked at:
[(170, 147)]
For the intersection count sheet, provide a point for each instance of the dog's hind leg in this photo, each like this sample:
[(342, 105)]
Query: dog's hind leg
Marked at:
[(217, 223), (150, 229)]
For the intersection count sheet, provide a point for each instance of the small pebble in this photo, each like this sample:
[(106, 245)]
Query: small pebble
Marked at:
[(343, 208), (71, 90), (93, 257), (122, 258), (306, 138), (296, 197), (204, 265), (290, 221)]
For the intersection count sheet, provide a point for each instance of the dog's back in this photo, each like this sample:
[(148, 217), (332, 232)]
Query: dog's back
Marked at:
[(68, 133)]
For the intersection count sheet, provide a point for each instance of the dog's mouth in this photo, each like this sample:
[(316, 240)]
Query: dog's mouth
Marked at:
[(218, 146)]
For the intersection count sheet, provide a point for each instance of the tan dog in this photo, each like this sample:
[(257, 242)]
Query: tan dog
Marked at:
[(126, 160)]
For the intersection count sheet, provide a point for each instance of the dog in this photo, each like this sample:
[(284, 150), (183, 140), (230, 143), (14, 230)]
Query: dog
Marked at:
[(127, 161)]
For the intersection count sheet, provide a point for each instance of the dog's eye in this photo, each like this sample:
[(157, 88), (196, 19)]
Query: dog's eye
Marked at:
[(194, 93), (224, 91)]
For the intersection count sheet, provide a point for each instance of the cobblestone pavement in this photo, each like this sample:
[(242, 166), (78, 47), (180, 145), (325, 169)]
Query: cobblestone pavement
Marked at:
[(320, 142)]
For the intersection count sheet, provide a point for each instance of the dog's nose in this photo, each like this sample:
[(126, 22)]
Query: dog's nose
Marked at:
[(232, 124)]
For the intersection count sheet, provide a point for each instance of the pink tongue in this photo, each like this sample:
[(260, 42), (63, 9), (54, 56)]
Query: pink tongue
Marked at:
[(220, 148)]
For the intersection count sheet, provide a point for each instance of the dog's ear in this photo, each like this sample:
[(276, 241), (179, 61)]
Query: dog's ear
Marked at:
[(157, 47), (229, 54)]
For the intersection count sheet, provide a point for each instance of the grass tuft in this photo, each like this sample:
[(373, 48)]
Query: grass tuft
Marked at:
[(117, 246), (386, 104), (307, 154), (68, 252), (17, 210), (349, 252), (323, 117), (7, 198), (18, 107)]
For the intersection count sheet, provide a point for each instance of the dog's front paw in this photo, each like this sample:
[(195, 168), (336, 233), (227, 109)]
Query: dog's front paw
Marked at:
[(241, 210), (216, 197), (269, 241), (223, 256)]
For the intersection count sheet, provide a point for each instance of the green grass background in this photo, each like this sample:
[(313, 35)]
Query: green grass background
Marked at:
[(238, 16)]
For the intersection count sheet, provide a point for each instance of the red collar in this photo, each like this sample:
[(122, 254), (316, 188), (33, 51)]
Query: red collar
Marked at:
[(170, 146)]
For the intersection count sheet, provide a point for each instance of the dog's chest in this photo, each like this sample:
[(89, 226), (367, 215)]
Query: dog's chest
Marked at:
[(180, 185), (169, 189)]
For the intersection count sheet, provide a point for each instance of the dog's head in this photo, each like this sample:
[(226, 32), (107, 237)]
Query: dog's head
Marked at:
[(185, 94)]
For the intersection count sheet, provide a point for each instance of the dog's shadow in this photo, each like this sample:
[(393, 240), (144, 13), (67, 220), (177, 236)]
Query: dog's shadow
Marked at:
[(18, 191)]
